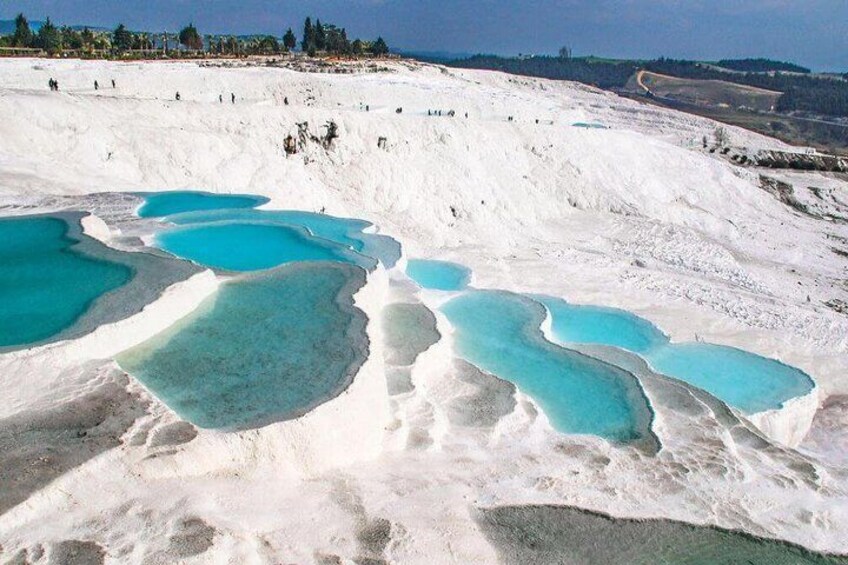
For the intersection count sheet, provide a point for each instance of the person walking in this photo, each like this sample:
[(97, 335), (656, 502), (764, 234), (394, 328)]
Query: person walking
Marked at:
[(178, 96), (96, 86), (113, 83), (233, 97)]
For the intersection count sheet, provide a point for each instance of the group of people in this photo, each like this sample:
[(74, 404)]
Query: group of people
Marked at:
[(53, 84), (178, 97), (97, 85), (450, 113)]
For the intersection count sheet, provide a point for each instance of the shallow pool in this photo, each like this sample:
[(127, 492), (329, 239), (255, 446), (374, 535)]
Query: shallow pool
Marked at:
[(500, 333), (560, 534), (46, 283), (160, 204), (243, 246), (438, 275), (589, 125), (744, 380), (344, 231), (267, 347), (747, 381), (596, 324)]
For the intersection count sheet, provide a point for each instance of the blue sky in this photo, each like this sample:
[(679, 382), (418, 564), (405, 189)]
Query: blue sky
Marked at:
[(810, 32)]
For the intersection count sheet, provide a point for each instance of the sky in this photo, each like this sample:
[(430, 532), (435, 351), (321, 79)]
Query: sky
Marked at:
[(813, 33)]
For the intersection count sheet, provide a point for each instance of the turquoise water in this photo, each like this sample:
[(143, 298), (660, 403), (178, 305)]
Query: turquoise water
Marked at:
[(238, 246), (345, 231), (159, 204), (199, 208), (267, 347), (747, 381), (597, 324), (589, 125), (438, 275), (45, 284), (499, 333)]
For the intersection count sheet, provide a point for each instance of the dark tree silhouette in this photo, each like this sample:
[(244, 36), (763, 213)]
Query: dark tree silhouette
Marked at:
[(190, 37), (289, 40)]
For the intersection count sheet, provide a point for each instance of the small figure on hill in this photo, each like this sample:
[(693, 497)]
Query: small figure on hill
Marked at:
[(96, 86), (367, 107), (466, 115), (178, 96), (113, 84), (286, 100), (221, 98), (233, 97), (399, 111), (56, 85), (52, 84)]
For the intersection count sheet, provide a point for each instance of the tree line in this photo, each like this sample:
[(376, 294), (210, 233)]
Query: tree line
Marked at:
[(761, 66), (317, 38)]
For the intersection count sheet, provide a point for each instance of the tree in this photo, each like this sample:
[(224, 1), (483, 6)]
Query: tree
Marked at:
[(23, 35), (71, 39), (307, 43), (268, 45), (49, 37), (122, 39), (320, 36), (565, 52), (232, 45), (190, 37), (357, 47), (289, 40), (379, 47)]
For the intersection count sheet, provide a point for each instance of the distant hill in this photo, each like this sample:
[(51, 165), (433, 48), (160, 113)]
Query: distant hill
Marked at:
[(717, 93), (432, 56), (761, 66)]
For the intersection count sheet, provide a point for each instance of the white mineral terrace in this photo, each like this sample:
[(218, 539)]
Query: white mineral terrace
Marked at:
[(637, 216)]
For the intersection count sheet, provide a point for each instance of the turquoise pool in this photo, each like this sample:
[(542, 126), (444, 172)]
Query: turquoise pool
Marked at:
[(241, 246), (46, 283), (747, 381), (160, 204), (589, 125), (499, 333), (267, 347), (438, 275), (291, 235)]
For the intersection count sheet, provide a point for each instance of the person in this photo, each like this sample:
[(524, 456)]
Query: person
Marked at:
[(113, 84), (286, 100), (221, 98), (56, 85), (178, 96), (96, 86), (51, 84), (233, 97)]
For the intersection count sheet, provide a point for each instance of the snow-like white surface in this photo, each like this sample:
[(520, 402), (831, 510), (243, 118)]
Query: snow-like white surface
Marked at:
[(636, 216)]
